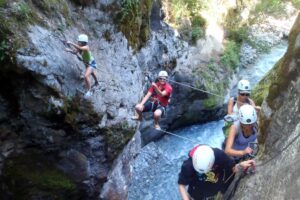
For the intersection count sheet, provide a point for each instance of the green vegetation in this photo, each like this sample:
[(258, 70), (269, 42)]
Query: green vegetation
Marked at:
[(260, 92), (22, 11), (3, 3), (270, 7), (32, 173), (230, 57), (185, 16), (53, 8), (212, 83), (133, 21), (4, 50), (262, 89), (238, 35), (130, 8), (71, 113), (197, 33), (273, 7), (16, 16), (296, 3), (216, 88)]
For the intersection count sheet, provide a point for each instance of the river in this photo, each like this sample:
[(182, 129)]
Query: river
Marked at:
[(156, 168)]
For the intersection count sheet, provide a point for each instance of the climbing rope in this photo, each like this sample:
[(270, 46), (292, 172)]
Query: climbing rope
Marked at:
[(189, 86), (192, 87), (179, 136)]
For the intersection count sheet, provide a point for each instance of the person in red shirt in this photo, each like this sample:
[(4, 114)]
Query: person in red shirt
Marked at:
[(158, 95)]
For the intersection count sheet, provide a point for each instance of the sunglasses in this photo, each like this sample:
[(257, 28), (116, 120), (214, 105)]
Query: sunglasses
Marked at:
[(244, 94), (162, 79), (247, 125)]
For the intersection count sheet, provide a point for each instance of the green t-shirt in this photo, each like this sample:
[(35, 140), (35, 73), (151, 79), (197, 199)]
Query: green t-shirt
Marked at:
[(87, 56)]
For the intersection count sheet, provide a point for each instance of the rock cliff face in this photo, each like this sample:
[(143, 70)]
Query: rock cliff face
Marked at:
[(55, 142), (277, 175)]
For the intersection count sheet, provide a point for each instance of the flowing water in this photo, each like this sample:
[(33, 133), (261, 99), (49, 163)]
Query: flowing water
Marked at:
[(156, 169)]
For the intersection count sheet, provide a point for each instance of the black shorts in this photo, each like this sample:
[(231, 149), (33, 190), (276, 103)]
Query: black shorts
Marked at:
[(151, 106)]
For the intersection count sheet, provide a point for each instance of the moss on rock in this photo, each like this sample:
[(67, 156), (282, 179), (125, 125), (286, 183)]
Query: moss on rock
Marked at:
[(262, 88), (52, 8), (33, 175), (212, 83), (116, 138), (73, 113), (134, 21), (286, 70)]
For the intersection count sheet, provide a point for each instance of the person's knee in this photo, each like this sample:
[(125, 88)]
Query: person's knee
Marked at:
[(138, 108), (157, 113), (87, 76)]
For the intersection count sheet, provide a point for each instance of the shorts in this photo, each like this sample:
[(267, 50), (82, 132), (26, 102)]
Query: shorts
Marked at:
[(92, 64), (151, 106)]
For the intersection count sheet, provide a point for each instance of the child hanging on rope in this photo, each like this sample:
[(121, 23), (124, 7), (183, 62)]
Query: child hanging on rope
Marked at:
[(88, 59)]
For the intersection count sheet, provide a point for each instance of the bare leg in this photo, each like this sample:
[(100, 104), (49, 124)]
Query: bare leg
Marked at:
[(87, 77), (157, 115), (94, 76), (139, 110)]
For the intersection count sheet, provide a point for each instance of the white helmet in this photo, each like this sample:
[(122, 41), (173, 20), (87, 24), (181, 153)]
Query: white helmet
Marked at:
[(203, 159), (163, 74), (247, 114), (244, 86), (83, 38)]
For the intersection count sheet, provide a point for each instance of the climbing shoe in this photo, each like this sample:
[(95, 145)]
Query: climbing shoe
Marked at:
[(88, 94)]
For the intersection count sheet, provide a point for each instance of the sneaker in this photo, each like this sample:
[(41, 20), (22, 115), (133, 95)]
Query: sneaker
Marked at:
[(88, 94), (157, 127), (95, 84)]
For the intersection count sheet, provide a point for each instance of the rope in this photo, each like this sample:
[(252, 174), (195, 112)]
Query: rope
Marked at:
[(189, 86), (182, 137), (192, 87), (205, 91)]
